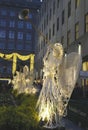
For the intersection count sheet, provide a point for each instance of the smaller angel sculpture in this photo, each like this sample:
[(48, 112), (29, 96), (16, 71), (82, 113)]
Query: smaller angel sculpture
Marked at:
[(23, 81), (60, 76)]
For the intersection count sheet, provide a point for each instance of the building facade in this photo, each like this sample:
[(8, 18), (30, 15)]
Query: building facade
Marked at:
[(16, 35), (64, 21)]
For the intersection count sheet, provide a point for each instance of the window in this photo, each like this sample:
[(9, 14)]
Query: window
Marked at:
[(42, 27), (46, 38), (85, 68), (76, 31), (2, 23), (19, 46), (47, 19), (58, 3), (20, 24), (28, 25), (45, 6), (53, 29), (3, 12), (86, 23), (11, 34), (57, 23), (27, 47), (69, 8), (30, 15), (12, 24), (62, 40), (10, 45), (2, 45), (12, 13), (49, 34), (44, 23), (77, 2), (62, 17), (2, 34), (69, 37), (54, 7), (20, 36), (28, 36), (50, 14)]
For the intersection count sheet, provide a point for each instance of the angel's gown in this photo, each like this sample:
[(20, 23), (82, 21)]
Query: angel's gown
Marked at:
[(59, 79)]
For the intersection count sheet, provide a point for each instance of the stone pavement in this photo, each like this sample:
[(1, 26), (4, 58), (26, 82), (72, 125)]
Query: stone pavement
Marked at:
[(71, 126)]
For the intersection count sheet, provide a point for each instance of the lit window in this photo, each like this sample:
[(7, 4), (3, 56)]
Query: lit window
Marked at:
[(20, 35), (28, 37), (12, 13), (28, 25), (2, 23), (77, 3), (3, 12), (20, 24), (11, 34), (85, 68), (86, 23), (2, 34), (12, 24), (69, 37), (76, 31)]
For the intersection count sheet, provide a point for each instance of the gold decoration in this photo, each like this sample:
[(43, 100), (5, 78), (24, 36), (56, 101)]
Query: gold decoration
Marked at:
[(14, 57)]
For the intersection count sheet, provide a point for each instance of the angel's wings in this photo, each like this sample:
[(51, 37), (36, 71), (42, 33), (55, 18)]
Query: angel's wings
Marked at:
[(67, 77), (72, 66)]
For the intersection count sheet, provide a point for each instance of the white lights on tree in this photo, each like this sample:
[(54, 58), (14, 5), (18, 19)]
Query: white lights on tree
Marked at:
[(60, 75)]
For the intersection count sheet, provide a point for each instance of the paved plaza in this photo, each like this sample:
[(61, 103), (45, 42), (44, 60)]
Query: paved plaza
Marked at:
[(72, 126)]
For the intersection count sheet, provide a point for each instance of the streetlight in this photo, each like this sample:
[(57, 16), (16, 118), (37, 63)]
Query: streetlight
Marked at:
[(79, 48)]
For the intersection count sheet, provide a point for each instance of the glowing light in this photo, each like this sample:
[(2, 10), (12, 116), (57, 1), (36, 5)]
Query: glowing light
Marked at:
[(79, 49), (45, 114)]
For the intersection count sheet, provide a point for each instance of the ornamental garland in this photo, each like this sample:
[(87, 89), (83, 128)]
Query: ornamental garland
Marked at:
[(15, 56)]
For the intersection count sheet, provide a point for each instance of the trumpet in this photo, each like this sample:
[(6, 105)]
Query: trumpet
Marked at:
[(24, 14)]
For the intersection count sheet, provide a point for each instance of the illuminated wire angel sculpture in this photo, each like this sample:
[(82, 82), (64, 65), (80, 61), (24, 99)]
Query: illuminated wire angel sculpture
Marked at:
[(23, 81), (60, 76)]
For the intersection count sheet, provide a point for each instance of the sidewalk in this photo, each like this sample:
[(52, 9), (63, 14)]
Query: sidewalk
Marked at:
[(71, 126)]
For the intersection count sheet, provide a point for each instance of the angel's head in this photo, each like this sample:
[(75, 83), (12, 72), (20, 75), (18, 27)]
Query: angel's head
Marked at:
[(58, 50)]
